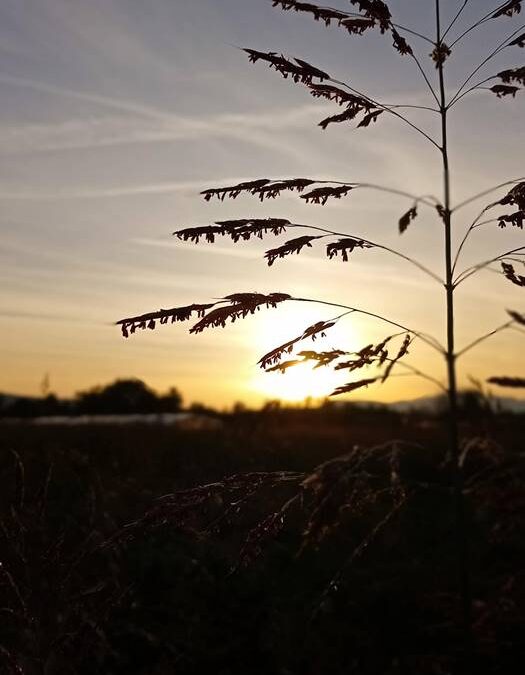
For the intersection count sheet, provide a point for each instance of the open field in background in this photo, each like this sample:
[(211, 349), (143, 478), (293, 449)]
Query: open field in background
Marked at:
[(164, 601)]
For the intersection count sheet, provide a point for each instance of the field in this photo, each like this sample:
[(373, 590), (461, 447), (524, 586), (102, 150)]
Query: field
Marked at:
[(359, 577)]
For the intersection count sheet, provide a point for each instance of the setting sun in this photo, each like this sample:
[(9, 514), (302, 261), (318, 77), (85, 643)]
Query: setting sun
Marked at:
[(304, 380), (298, 383)]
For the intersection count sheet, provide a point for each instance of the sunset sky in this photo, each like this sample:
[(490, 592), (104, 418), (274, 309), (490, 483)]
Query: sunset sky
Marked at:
[(114, 114)]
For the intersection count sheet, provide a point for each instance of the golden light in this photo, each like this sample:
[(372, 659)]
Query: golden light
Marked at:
[(303, 380), (298, 383)]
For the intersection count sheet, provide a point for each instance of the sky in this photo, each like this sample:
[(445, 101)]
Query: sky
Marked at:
[(115, 114)]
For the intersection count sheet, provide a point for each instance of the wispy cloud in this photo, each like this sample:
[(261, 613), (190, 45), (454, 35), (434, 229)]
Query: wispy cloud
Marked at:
[(148, 125), (118, 191), (104, 101), (211, 250), (43, 316)]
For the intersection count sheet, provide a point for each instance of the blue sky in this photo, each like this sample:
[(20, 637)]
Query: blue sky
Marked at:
[(114, 114)]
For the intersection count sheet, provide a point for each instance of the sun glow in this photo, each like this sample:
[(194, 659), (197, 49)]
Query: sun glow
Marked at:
[(299, 383), (303, 380)]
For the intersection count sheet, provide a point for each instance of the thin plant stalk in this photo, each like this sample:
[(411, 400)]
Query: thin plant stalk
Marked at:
[(453, 426)]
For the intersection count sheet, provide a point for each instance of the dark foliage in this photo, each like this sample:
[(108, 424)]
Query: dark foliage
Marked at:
[(316, 578), (407, 218), (264, 189), (511, 8), (240, 306), (515, 219), (513, 75), (289, 247), (403, 351), (344, 247), (357, 26), (375, 13), (323, 194), (312, 332), (235, 229), (440, 54), (515, 196), (163, 316), (502, 90), (124, 397), (333, 93), (369, 118), (516, 316), (518, 42), (401, 44), (353, 386), (510, 274), (232, 307), (513, 382), (298, 70), (376, 10)]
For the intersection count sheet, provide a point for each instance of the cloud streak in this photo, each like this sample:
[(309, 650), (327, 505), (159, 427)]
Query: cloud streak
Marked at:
[(97, 99), (148, 125), (115, 192)]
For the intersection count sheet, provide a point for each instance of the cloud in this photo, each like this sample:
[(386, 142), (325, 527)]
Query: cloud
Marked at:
[(212, 250), (105, 101), (118, 191), (147, 124), (42, 316)]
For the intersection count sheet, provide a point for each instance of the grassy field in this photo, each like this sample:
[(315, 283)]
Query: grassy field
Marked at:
[(357, 575)]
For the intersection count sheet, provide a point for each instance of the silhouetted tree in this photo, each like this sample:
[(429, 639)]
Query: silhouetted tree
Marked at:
[(171, 401), (119, 398)]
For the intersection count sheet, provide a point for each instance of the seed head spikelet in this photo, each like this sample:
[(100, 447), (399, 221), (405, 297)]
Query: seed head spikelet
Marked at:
[(510, 274), (323, 194), (511, 8), (264, 188), (515, 219), (515, 196), (511, 382), (406, 219), (516, 75), (344, 247), (370, 118), (289, 247), (244, 229), (162, 316), (518, 317), (403, 351), (503, 90), (440, 54), (353, 386), (518, 42), (312, 332)]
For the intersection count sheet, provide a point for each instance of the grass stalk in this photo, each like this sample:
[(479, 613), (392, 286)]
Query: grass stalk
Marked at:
[(450, 357)]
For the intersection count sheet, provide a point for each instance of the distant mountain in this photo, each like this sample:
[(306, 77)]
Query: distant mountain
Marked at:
[(427, 404), (432, 404), (514, 405)]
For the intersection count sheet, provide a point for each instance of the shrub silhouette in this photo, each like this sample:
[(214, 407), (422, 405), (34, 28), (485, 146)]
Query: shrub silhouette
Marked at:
[(124, 397)]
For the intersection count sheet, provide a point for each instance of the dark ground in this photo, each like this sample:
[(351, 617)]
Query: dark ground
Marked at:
[(251, 592)]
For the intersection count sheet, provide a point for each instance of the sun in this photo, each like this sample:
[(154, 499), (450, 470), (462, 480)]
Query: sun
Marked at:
[(298, 383), (304, 380)]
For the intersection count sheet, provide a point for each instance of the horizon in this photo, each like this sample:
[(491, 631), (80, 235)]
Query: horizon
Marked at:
[(285, 403)]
